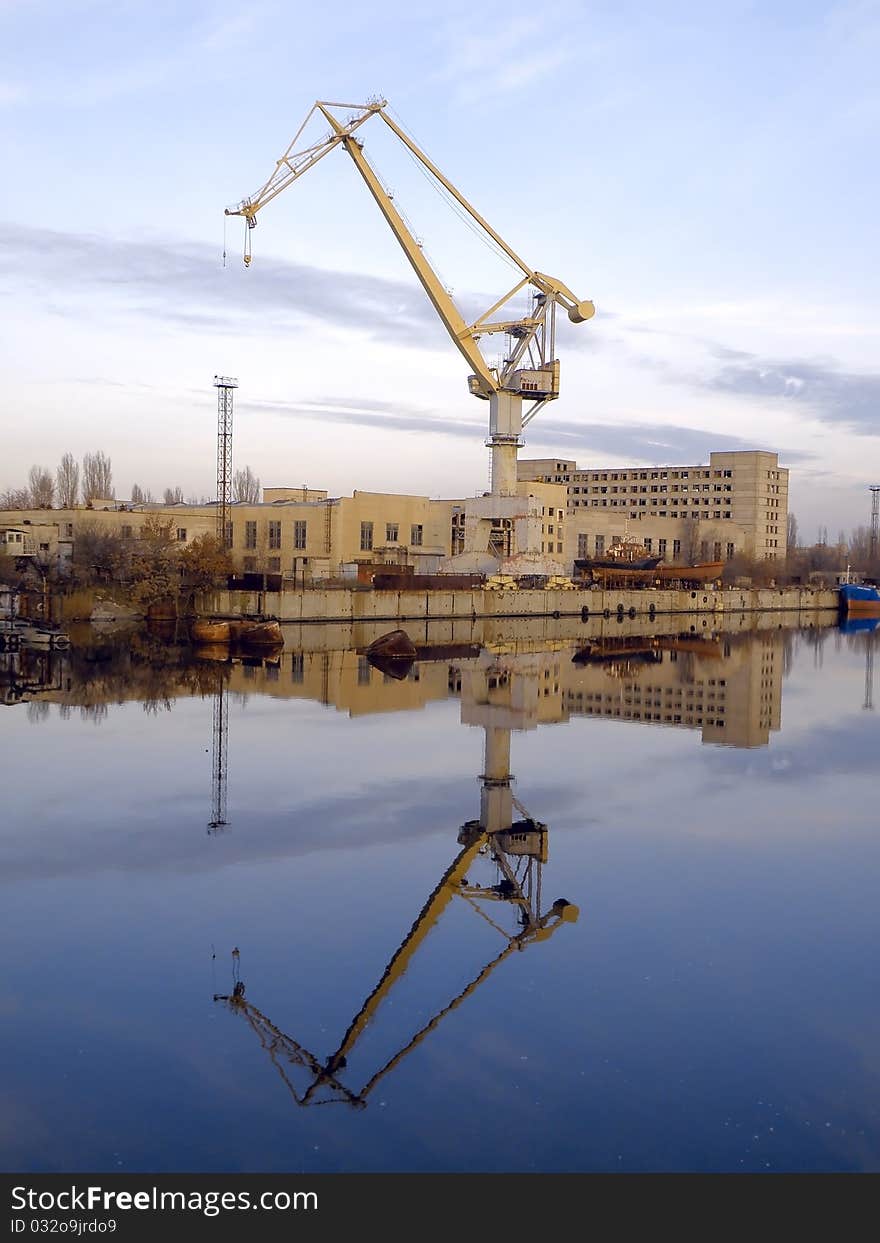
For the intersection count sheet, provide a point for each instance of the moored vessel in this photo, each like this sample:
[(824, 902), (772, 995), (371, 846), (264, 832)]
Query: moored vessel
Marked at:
[(859, 599)]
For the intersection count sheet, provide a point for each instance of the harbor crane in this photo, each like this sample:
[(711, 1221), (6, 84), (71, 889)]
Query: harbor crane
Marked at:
[(530, 370)]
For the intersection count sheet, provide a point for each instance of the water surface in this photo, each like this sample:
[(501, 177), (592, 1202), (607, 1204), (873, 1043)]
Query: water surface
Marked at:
[(384, 855)]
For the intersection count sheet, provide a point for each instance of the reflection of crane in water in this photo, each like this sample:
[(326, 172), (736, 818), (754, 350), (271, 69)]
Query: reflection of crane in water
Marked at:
[(324, 1084), (220, 750), (518, 850)]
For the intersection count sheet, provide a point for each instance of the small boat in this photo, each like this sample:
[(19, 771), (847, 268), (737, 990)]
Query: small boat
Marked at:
[(705, 572), (35, 634), (393, 653), (205, 630), (261, 634), (395, 643)]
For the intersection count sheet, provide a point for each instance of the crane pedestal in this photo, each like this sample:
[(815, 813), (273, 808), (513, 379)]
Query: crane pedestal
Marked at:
[(503, 535)]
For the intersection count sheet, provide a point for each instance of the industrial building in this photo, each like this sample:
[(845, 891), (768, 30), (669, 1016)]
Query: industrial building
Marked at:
[(737, 504)]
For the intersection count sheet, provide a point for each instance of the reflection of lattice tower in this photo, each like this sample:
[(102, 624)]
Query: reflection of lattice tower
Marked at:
[(220, 751), (224, 385), (875, 520)]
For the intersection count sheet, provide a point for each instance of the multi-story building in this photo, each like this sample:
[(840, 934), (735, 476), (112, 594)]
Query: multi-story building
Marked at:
[(315, 537), (736, 504)]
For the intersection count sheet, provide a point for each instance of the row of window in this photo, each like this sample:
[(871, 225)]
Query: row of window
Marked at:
[(392, 534), (660, 513), (660, 487), (597, 476)]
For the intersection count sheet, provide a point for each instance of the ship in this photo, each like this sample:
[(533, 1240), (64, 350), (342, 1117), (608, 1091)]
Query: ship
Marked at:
[(859, 599), (623, 554)]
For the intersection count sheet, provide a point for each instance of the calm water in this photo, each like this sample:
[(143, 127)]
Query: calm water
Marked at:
[(412, 999)]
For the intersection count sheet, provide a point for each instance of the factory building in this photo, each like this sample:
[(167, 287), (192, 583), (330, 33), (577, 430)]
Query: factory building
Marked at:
[(736, 504)]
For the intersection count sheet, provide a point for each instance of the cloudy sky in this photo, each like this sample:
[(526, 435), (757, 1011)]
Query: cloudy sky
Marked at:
[(707, 174)]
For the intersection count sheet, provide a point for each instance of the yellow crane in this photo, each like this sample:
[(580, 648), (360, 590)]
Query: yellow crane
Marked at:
[(529, 370)]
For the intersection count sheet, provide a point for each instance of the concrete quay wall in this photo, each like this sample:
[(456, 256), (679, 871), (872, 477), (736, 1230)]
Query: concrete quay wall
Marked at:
[(350, 606)]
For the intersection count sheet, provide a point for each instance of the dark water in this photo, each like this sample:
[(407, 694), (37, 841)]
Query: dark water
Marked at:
[(413, 1001)]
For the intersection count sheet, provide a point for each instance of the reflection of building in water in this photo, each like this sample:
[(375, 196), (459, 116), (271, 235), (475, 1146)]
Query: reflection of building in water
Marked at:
[(500, 697), (732, 692), (29, 673), (730, 689)]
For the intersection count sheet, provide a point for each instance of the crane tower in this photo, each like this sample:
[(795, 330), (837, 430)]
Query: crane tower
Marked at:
[(529, 370), (875, 522), (225, 385)]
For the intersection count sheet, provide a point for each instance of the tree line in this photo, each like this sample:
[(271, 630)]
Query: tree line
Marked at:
[(73, 483)]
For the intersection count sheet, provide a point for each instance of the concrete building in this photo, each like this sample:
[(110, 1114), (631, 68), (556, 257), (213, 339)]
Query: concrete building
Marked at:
[(317, 537), (736, 504)]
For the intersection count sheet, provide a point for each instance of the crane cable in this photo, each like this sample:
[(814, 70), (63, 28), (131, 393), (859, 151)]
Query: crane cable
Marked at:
[(451, 202)]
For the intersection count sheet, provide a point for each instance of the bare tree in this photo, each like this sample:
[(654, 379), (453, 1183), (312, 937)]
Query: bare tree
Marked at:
[(41, 487), (173, 496), (15, 498), (97, 477), (792, 534), (67, 481), (246, 486), (141, 496)]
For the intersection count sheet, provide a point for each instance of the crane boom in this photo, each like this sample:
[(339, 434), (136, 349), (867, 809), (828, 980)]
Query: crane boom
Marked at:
[(530, 370)]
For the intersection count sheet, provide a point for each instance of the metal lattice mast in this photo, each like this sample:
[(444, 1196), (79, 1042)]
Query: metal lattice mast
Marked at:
[(225, 385), (221, 739), (875, 521)]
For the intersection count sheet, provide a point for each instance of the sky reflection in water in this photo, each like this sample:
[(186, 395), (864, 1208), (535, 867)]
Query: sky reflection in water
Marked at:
[(709, 1002)]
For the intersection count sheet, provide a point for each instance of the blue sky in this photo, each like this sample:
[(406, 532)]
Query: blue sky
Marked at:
[(706, 174)]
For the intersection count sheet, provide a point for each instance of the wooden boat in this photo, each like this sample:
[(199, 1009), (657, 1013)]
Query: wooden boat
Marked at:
[(261, 634), (205, 630), (705, 572)]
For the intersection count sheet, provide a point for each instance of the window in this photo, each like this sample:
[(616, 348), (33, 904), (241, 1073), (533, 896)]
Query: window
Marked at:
[(661, 547), (274, 534), (364, 668), (299, 534), (69, 529), (676, 548), (415, 534), (391, 532), (648, 542), (730, 551), (274, 565), (583, 546), (125, 532), (297, 667), (250, 536), (366, 536), (600, 545), (716, 551), (181, 535), (250, 564)]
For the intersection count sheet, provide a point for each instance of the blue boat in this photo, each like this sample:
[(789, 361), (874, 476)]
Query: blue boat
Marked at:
[(859, 598)]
